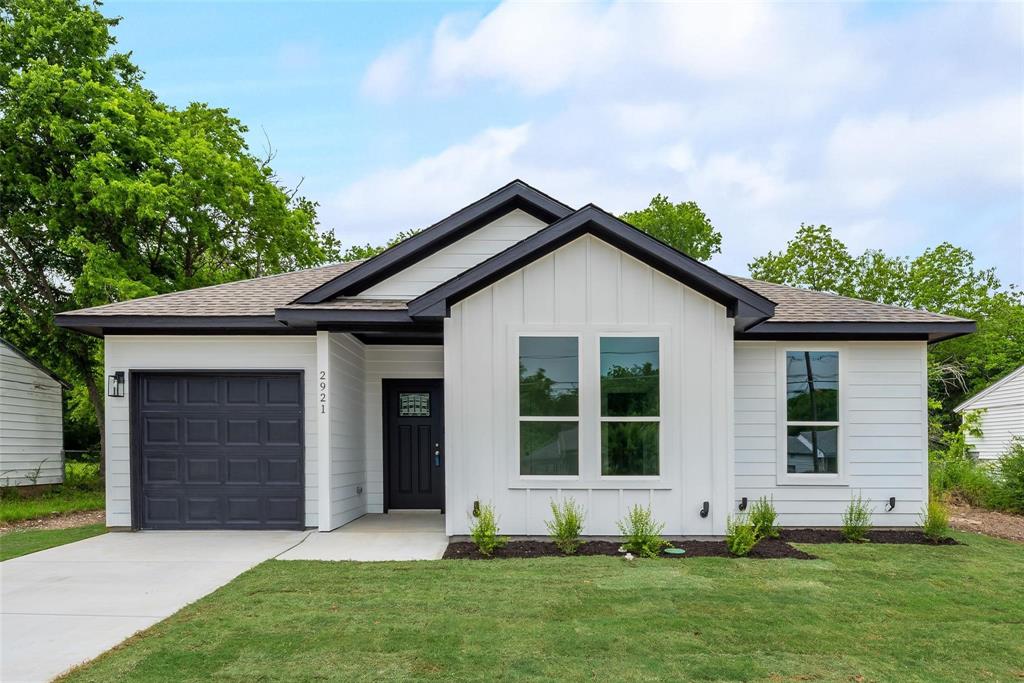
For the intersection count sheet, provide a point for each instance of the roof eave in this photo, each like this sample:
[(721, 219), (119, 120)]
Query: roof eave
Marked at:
[(102, 325), (932, 332)]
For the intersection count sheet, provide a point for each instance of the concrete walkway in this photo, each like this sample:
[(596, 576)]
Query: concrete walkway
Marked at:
[(66, 605), (398, 535)]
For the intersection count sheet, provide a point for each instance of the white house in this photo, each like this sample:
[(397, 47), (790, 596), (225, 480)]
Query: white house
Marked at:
[(517, 351), (1002, 415), (31, 424)]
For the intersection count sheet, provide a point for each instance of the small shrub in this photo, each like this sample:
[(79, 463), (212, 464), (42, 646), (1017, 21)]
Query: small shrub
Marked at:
[(857, 520), (935, 520), (740, 536), (566, 525), (641, 534), (763, 518), (1009, 475), (484, 531)]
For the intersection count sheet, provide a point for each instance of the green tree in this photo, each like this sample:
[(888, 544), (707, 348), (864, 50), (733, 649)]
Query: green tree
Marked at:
[(814, 258), (366, 251), (682, 226), (108, 194)]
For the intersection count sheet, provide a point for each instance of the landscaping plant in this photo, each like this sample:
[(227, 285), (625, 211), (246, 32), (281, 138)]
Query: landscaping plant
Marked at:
[(641, 534), (740, 535), (763, 518), (566, 525), (935, 520), (1009, 475), (857, 520), (484, 531)]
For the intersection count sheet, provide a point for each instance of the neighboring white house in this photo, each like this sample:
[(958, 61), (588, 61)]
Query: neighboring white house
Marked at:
[(516, 352), (1002, 415), (31, 425)]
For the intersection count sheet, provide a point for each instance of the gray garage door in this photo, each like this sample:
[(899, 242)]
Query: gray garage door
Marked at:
[(218, 450)]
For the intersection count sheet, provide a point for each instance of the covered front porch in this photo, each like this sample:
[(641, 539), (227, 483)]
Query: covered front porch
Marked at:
[(380, 429)]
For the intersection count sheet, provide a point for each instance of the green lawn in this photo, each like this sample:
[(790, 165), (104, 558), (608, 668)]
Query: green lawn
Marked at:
[(82, 490), (896, 613), (18, 543)]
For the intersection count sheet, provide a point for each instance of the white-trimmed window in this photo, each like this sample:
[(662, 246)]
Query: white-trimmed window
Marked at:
[(549, 406), (630, 406), (811, 449)]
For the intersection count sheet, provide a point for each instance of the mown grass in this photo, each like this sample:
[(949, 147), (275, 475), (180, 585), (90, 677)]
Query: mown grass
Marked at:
[(82, 490), (861, 612), (17, 543)]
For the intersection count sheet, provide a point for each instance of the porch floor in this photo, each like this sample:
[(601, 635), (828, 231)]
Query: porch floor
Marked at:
[(397, 535)]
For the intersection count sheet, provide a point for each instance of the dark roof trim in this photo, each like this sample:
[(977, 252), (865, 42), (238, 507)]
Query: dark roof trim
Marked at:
[(100, 325), (745, 305), (874, 331), (515, 195), (363, 320), (34, 363)]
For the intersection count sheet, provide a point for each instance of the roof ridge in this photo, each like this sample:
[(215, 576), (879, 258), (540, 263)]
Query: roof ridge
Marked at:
[(852, 298)]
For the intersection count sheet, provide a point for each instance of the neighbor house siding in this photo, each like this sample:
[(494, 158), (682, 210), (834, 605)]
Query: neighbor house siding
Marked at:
[(883, 433), (31, 429), (238, 352), (345, 409), (587, 288), (390, 362), (452, 260), (1002, 416)]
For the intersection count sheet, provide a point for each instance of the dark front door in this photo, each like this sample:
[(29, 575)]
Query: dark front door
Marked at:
[(217, 450), (414, 444)]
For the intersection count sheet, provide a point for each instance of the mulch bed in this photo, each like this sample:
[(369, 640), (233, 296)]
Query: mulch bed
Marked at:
[(66, 520), (768, 548), (902, 536)]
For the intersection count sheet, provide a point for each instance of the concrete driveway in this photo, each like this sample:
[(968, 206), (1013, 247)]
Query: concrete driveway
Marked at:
[(66, 605)]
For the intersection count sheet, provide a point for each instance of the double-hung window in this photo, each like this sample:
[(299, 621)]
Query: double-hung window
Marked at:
[(630, 406), (549, 406), (812, 413)]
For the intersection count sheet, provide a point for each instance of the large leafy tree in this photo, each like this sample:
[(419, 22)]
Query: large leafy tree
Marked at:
[(108, 194), (943, 279), (682, 226)]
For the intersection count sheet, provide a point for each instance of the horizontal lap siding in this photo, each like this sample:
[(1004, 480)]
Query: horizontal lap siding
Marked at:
[(390, 362), (31, 425), (883, 427), (181, 352), (588, 287), (457, 257), (347, 362), (1002, 419)]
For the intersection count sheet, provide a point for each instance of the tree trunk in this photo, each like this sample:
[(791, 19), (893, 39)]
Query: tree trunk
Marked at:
[(96, 399)]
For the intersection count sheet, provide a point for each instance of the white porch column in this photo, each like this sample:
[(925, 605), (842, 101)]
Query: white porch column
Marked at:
[(323, 430)]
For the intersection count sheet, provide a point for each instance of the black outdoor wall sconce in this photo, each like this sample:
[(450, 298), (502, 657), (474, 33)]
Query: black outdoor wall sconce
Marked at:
[(115, 384), (704, 509), (743, 503), (891, 505), (476, 508)]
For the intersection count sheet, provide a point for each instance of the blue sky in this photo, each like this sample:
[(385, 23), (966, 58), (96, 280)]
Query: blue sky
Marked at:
[(900, 125)]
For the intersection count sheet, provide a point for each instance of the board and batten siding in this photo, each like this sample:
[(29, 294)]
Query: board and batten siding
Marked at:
[(883, 432), (214, 352), (588, 287), (457, 257), (31, 425), (1002, 416), (391, 362)]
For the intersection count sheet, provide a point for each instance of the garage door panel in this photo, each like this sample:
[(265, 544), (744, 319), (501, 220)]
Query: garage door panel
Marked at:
[(221, 450)]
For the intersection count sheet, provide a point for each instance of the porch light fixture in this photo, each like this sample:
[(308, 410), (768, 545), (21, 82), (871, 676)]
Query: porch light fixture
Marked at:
[(743, 503), (891, 504), (115, 384), (704, 509)]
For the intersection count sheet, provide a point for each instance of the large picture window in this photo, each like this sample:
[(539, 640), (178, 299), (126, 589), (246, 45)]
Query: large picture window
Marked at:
[(630, 406), (812, 412), (549, 405)]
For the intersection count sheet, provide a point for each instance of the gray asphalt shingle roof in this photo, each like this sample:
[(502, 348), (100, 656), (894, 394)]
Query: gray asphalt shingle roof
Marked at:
[(262, 296)]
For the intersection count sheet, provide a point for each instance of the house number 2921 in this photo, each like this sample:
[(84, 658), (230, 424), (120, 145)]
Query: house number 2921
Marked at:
[(323, 392)]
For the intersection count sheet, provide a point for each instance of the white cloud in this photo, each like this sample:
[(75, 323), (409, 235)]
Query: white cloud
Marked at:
[(390, 74)]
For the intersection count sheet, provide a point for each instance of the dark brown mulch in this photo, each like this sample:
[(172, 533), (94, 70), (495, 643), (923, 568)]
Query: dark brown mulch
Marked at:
[(768, 548), (904, 536)]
